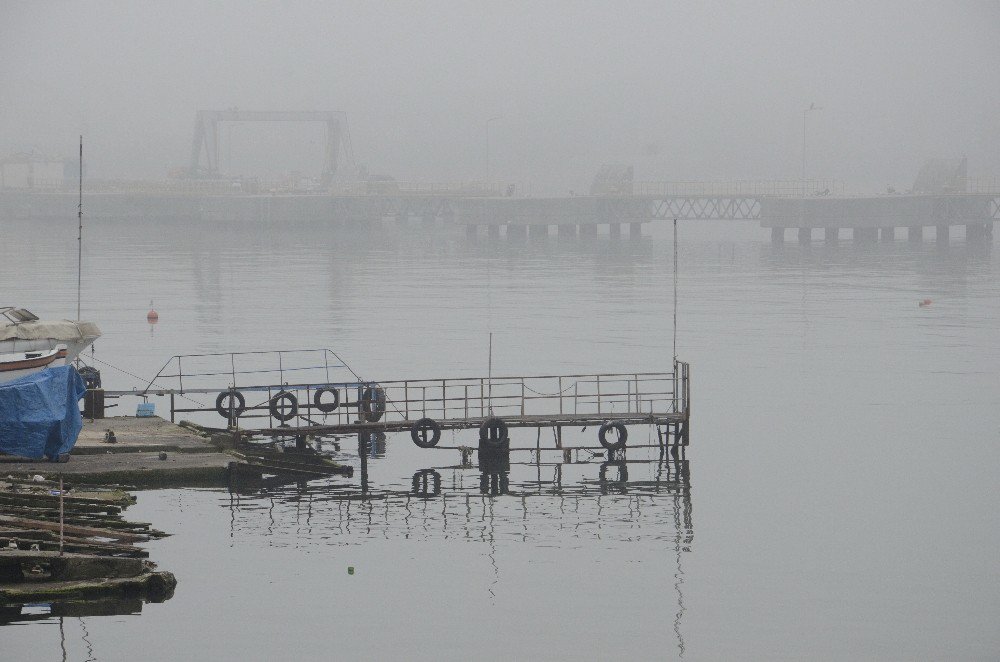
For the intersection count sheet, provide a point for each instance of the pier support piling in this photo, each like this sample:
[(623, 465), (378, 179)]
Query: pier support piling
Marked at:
[(941, 234), (915, 234), (537, 230), (635, 230), (805, 235), (831, 234), (778, 235), (566, 230)]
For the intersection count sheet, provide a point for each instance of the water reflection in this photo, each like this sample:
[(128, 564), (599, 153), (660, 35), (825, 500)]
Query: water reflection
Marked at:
[(539, 501)]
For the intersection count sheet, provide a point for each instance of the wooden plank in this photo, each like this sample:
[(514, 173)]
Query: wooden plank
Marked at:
[(86, 531)]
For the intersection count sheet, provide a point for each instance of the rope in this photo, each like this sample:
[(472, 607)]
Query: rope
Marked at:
[(126, 372)]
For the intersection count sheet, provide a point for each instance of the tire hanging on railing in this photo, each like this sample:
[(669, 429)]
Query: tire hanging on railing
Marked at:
[(229, 398), (279, 410), (326, 407), (493, 432), (619, 428), (426, 433), (372, 404)]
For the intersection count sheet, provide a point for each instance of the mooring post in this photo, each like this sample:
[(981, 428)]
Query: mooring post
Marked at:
[(363, 455)]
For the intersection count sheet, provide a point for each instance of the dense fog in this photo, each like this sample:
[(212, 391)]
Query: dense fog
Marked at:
[(679, 90)]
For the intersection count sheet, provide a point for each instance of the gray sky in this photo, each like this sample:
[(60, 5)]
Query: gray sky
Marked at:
[(680, 90)]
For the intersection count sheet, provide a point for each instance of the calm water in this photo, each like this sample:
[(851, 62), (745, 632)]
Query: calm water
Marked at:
[(838, 501)]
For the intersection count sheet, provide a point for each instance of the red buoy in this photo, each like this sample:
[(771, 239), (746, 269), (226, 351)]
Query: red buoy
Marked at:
[(923, 303), (152, 316)]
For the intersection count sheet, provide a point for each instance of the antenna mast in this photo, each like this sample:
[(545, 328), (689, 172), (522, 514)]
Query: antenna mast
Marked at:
[(79, 236), (675, 291)]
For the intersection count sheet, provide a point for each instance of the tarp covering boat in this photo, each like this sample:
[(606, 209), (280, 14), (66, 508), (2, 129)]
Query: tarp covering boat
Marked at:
[(40, 413), (63, 330)]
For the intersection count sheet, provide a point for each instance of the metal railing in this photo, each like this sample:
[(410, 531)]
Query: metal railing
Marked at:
[(783, 188), (254, 383), (545, 396)]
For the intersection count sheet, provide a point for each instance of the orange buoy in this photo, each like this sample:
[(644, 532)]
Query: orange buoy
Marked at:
[(923, 303), (152, 316)]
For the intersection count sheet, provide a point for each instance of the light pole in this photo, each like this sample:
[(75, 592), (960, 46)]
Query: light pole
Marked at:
[(805, 115), (492, 119)]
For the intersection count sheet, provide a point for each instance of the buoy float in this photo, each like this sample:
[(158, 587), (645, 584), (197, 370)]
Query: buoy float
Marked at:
[(923, 303), (152, 316)]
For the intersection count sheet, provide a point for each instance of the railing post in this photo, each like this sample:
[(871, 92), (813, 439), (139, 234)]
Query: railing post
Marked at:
[(444, 400), (560, 397), (465, 399), (598, 394), (406, 398), (522, 396)]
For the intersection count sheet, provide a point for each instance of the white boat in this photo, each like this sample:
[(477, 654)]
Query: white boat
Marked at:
[(28, 344)]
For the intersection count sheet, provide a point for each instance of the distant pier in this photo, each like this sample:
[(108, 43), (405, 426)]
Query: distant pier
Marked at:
[(489, 210)]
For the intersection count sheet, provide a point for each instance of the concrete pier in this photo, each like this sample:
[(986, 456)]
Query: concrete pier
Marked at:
[(941, 234), (134, 459), (887, 234), (778, 235), (635, 230), (915, 234), (805, 235), (831, 234)]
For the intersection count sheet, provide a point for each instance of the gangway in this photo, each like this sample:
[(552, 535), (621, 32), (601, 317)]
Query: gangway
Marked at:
[(313, 392)]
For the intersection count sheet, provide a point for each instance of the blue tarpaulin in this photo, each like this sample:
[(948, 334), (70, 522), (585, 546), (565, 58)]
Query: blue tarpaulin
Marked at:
[(40, 413)]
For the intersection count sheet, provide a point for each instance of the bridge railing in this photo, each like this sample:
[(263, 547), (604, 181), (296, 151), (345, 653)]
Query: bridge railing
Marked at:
[(786, 188)]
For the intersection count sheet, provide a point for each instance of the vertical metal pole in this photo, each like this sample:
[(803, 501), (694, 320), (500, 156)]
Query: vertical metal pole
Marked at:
[(675, 291), (79, 240), (61, 521), (490, 374), (171, 406), (406, 398)]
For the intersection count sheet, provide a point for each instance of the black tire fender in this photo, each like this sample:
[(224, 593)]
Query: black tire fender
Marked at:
[(326, 407), (229, 397), (372, 404), (493, 432), (619, 427), (290, 412), (426, 433)]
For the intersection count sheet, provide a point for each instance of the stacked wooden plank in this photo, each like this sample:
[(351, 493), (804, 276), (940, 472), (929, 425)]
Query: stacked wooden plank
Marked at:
[(72, 542)]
